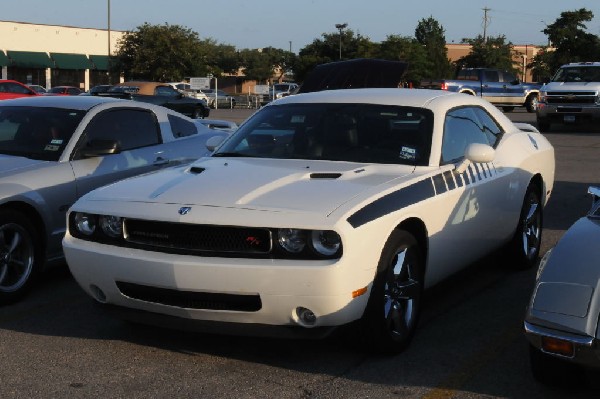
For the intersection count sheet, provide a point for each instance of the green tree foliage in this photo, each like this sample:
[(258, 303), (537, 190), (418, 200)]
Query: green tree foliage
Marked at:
[(570, 40), (491, 52), (263, 64), (430, 34), (407, 49), (159, 53), (327, 49)]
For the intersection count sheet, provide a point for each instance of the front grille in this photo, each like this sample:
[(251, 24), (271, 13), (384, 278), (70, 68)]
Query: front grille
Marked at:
[(571, 97), (198, 238), (191, 300)]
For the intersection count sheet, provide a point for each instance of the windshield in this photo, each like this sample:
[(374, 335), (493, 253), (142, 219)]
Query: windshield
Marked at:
[(578, 74), (338, 132), (37, 133)]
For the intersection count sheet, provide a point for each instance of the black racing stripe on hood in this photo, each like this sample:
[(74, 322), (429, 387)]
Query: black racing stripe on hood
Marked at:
[(392, 202)]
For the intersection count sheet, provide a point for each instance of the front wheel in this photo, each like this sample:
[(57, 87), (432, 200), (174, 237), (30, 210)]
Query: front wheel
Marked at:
[(394, 306), (525, 245), (18, 255)]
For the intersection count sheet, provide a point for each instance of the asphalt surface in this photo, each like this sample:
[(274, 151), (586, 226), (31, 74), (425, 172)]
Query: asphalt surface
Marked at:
[(57, 344)]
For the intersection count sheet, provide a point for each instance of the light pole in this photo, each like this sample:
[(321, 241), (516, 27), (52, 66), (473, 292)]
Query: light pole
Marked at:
[(341, 27), (108, 34)]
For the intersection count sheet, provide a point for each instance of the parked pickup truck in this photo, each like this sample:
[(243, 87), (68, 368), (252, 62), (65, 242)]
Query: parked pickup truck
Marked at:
[(160, 94), (501, 88), (571, 97)]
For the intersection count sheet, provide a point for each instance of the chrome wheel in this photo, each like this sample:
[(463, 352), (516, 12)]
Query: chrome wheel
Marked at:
[(401, 292), (16, 257), (392, 313), (531, 228)]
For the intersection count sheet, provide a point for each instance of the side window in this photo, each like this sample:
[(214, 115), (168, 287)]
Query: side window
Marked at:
[(492, 130), (509, 77), (131, 128), (491, 76), (461, 128), (165, 91), (182, 127)]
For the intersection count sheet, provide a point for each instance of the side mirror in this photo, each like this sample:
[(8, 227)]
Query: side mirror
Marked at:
[(213, 142), (98, 148), (478, 153)]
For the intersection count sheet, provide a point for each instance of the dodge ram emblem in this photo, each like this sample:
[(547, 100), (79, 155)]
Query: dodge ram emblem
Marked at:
[(184, 210)]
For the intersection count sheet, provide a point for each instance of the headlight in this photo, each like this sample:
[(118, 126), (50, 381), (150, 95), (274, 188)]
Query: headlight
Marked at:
[(292, 240), (326, 242), (112, 226), (85, 223)]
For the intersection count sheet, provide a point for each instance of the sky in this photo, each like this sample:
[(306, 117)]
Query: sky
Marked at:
[(292, 25)]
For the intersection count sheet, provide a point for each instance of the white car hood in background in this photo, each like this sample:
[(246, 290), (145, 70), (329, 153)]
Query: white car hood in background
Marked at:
[(319, 186)]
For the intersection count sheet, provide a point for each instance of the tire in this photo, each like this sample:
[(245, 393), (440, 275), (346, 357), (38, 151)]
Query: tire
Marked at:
[(543, 125), (531, 103), (198, 113), (508, 109), (552, 371), (394, 306), (20, 259), (524, 248)]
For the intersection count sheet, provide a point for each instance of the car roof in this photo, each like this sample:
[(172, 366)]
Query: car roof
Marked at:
[(70, 102), (391, 96)]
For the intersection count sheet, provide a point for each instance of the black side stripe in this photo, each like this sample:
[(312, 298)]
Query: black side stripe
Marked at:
[(419, 191), (392, 202)]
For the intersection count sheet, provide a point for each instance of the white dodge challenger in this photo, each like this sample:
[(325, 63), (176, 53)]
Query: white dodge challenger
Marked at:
[(323, 210)]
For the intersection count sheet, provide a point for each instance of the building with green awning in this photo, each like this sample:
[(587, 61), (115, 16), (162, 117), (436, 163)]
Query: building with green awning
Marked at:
[(100, 62), (4, 61), (71, 61), (29, 59)]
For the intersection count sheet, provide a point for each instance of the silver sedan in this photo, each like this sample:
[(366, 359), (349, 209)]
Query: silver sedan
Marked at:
[(53, 150)]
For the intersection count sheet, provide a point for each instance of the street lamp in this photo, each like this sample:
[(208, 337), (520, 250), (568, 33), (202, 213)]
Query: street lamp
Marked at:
[(341, 27)]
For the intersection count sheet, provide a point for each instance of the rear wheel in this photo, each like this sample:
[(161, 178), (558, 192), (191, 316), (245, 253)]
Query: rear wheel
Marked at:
[(531, 102), (525, 245), (394, 306), (18, 255), (508, 109)]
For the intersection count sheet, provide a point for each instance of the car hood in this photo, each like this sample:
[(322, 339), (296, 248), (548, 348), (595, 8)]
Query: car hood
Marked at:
[(571, 86), (262, 184), (10, 164)]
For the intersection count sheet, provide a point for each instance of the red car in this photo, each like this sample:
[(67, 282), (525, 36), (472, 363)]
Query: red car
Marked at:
[(13, 89), (64, 91)]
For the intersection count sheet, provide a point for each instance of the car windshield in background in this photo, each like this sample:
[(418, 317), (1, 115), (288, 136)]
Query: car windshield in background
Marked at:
[(124, 89), (37, 133), (338, 132), (578, 74)]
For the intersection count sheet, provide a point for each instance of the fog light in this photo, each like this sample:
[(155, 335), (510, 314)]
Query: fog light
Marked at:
[(306, 316), (99, 295), (558, 346)]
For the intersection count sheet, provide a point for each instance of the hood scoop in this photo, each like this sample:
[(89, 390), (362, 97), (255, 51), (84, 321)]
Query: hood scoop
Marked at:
[(197, 170), (325, 175)]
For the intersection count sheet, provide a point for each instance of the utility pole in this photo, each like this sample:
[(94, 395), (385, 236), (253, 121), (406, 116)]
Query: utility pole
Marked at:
[(485, 22), (341, 27)]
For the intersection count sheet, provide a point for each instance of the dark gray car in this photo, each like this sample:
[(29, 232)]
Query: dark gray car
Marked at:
[(561, 322)]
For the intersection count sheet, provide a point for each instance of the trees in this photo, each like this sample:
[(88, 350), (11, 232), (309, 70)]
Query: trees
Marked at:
[(430, 34), (159, 53), (570, 40), (490, 52)]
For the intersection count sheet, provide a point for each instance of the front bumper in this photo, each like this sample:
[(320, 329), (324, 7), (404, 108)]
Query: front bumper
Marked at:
[(324, 287), (568, 114), (586, 351)]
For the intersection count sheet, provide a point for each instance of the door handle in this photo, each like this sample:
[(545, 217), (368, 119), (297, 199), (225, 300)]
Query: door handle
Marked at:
[(160, 161)]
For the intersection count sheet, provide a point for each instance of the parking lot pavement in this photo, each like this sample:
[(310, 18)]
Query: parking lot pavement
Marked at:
[(237, 115)]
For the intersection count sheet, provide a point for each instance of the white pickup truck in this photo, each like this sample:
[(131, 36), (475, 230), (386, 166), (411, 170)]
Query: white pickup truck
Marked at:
[(571, 97)]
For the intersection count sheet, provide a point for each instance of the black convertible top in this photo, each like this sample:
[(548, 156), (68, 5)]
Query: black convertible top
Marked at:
[(355, 74)]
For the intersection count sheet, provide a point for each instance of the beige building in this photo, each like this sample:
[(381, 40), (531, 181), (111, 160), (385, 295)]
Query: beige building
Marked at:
[(51, 55)]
